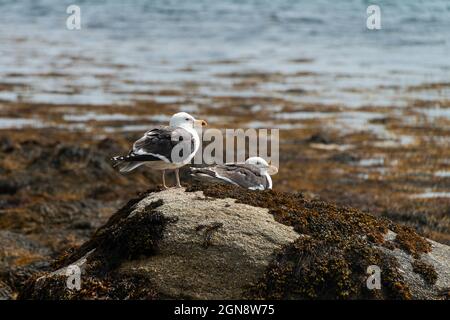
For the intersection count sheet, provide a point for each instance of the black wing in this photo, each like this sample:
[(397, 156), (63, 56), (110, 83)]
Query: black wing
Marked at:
[(157, 144)]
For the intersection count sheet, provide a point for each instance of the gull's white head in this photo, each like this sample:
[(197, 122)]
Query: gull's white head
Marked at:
[(185, 120), (262, 164)]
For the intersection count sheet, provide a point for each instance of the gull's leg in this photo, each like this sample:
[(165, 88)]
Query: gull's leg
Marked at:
[(177, 175), (164, 179)]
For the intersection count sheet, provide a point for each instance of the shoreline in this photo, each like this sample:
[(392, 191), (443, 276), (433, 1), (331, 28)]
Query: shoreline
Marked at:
[(375, 159)]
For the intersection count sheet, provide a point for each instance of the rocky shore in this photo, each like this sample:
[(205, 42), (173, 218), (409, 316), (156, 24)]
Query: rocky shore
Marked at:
[(57, 185), (55, 190), (363, 119), (223, 242)]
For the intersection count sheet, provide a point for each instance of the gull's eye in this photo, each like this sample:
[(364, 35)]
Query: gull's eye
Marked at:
[(187, 119)]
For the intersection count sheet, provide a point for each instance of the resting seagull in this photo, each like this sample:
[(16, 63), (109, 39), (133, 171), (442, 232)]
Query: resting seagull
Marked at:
[(254, 174), (164, 148)]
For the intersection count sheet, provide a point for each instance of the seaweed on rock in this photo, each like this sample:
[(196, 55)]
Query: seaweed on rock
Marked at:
[(109, 287), (331, 260), (426, 270), (328, 261), (124, 237)]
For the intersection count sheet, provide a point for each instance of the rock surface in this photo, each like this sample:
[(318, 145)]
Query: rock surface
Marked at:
[(222, 242), (215, 248)]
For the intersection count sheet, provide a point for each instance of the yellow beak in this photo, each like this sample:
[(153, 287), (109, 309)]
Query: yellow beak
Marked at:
[(201, 123), (272, 170)]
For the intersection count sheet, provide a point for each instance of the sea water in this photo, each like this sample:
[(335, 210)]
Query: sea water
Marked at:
[(129, 47)]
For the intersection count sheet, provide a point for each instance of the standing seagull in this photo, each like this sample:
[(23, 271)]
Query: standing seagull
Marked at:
[(164, 148), (254, 174)]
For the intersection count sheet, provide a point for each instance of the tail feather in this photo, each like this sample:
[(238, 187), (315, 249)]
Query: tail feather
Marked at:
[(129, 166), (125, 164)]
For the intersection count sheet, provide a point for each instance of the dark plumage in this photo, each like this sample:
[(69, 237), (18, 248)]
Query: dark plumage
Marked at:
[(246, 175), (157, 145)]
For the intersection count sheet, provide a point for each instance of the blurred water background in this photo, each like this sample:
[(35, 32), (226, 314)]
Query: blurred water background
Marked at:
[(128, 50)]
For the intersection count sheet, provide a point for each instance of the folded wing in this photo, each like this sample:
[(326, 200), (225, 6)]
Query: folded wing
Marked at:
[(158, 145), (244, 175)]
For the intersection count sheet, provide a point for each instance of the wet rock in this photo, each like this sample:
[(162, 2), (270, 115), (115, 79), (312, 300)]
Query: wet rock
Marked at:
[(8, 187), (109, 145), (20, 258), (223, 242), (17, 249), (296, 91), (344, 157), (83, 225), (5, 291), (6, 144), (319, 138), (68, 155)]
